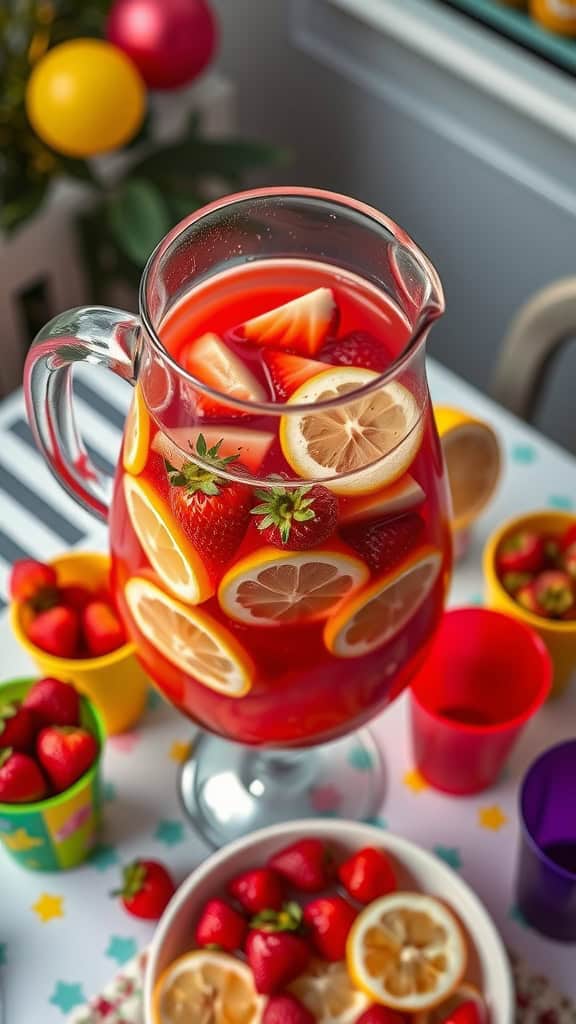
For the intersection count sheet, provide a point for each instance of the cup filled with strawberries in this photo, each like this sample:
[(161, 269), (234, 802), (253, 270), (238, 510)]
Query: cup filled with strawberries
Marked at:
[(530, 573), (326, 922), (51, 741), (63, 615)]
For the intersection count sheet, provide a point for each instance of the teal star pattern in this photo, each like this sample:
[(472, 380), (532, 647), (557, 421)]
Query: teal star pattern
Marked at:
[(515, 914), (67, 996), (108, 791), (524, 454), (450, 855), (3, 956), (476, 600), (6, 825), (376, 820), (169, 832), (103, 856), (561, 502), (154, 700), (360, 759), (121, 949)]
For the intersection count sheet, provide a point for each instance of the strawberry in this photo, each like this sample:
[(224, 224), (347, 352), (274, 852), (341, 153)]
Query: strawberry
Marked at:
[(213, 512), (306, 864), (367, 874), (286, 1009), (21, 781), (56, 631), (288, 372), (65, 752), (526, 598), (35, 582), (17, 727), (300, 325), (221, 926), (276, 958), (384, 545), (470, 1012), (552, 552), (568, 537), (102, 630), (553, 593), (53, 702), (212, 362), (75, 596), (147, 889), (380, 1015), (522, 552), (298, 518), (330, 919), (258, 890), (569, 561), (358, 348), (514, 581)]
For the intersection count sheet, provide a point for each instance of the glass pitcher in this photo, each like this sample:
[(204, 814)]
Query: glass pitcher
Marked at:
[(278, 522)]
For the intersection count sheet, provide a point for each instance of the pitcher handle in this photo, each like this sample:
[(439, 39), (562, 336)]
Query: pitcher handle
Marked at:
[(92, 334)]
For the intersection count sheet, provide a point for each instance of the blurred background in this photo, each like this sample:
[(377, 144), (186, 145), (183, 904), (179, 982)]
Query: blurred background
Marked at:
[(455, 117)]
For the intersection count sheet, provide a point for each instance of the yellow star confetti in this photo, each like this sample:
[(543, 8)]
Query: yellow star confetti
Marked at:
[(180, 751), (414, 781), (48, 907), (20, 841), (492, 818)]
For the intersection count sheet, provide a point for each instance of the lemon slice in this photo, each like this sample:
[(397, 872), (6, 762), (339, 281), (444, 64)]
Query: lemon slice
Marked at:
[(136, 434), (176, 562), (473, 462), (327, 991), (465, 993), (278, 588), (372, 617), (191, 639), (406, 951), (356, 447), (206, 987)]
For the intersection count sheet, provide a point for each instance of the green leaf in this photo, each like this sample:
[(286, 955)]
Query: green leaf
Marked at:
[(228, 159), (138, 218)]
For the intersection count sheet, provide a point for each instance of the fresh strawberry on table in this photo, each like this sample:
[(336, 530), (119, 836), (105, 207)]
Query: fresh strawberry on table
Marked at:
[(358, 348), (286, 1009), (307, 864), (213, 512), (258, 890), (222, 926), (300, 325), (56, 631), (367, 874), (524, 551), (17, 727), (330, 919), (147, 888), (65, 752), (276, 958), (34, 582), (53, 702), (21, 780), (298, 518), (102, 630), (288, 372), (384, 545)]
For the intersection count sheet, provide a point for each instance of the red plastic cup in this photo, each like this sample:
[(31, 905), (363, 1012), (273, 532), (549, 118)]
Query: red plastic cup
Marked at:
[(484, 678)]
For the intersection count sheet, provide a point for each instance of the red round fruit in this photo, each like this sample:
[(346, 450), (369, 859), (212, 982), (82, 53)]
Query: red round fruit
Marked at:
[(358, 348), (258, 890), (53, 702), (220, 925), (147, 889), (367, 874)]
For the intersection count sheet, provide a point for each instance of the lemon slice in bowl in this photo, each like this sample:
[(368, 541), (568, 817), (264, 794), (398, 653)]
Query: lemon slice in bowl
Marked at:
[(358, 446), (376, 614), (205, 985), (136, 434), (170, 554), (277, 588), (406, 951), (191, 639), (326, 990), (464, 994)]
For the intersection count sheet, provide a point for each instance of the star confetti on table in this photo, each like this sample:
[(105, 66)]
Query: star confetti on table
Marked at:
[(414, 781), (450, 855), (180, 751), (169, 832), (376, 820), (524, 454), (360, 759), (153, 700), (103, 856), (476, 600), (108, 791), (20, 841), (67, 996), (125, 742), (48, 906), (515, 914), (492, 818), (561, 501), (3, 958), (121, 949)]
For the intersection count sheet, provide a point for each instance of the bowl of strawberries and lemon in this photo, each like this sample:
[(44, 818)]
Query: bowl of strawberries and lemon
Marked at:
[(530, 573), (326, 922)]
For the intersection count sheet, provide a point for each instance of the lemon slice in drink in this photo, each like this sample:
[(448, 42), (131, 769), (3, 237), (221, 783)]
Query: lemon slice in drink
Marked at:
[(176, 562), (136, 435), (190, 639), (406, 951), (278, 588), (206, 986), (376, 614), (327, 991), (355, 447)]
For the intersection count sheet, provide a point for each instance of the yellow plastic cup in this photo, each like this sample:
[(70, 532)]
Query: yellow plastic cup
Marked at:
[(115, 682), (559, 637)]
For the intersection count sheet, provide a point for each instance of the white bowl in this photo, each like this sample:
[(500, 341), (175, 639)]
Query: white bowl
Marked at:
[(416, 869)]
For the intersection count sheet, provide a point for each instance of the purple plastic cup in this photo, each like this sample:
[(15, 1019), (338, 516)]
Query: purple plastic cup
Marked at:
[(546, 882)]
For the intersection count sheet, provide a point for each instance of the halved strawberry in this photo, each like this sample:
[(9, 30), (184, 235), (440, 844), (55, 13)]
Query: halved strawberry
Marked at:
[(358, 348), (249, 446), (400, 497), (301, 325), (384, 545), (288, 372), (211, 361)]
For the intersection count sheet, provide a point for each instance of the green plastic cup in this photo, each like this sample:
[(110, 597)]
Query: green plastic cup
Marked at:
[(61, 831)]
